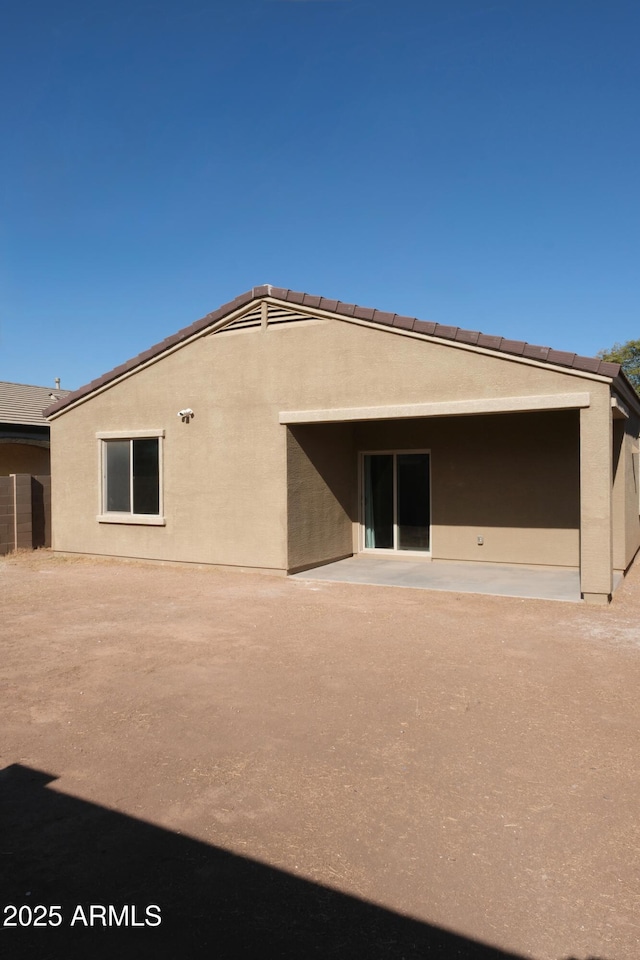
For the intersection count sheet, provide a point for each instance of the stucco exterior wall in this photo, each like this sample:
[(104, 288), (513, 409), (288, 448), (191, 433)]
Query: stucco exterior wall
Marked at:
[(23, 458), (625, 499), (321, 494), (225, 473), (224, 495), (596, 479), (632, 488)]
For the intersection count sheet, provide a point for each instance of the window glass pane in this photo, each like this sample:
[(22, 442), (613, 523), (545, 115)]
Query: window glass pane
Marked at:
[(413, 501), (378, 501), (117, 476), (146, 486)]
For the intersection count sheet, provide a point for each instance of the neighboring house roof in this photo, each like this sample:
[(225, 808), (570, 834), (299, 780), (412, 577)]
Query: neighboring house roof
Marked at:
[(23, 404), (516, 348)]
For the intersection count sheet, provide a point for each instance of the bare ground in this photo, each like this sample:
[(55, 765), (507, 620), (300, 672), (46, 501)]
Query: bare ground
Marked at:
[(296, 769)]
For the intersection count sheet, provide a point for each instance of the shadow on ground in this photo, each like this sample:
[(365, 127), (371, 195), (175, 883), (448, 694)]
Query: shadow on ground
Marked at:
[(57, 850)]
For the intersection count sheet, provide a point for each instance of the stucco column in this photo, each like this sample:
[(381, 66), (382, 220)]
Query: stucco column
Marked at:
[(619, 486), (596, 549)]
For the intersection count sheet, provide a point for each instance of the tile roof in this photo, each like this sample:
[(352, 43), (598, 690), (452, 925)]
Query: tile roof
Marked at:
[(395, 321), (22, 403)]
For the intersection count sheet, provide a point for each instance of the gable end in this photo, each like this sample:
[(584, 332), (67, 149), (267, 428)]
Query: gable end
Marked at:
[(235, 315)]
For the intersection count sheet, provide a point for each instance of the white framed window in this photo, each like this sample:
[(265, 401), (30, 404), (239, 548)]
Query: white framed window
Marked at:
[(131, 477)]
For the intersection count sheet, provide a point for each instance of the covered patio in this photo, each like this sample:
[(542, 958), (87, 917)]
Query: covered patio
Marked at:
[(526, 481)]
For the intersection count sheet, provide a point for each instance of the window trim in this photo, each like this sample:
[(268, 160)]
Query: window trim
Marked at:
[(139, 519)]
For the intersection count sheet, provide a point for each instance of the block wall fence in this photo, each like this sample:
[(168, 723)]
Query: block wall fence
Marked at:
[(25, 512)]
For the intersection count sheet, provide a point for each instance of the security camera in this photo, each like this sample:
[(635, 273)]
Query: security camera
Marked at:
[(186, 413)]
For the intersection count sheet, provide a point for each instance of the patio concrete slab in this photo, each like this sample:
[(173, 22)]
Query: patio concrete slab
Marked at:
[(497, 579)]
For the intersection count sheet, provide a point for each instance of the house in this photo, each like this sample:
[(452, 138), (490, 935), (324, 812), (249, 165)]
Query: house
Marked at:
[(24, 466), (24, 430), (284, 431)]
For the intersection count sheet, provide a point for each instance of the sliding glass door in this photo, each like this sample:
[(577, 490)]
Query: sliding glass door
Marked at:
[(396, 501)]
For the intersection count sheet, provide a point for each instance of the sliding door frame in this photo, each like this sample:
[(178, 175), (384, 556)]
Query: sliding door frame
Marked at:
[(385, 551)]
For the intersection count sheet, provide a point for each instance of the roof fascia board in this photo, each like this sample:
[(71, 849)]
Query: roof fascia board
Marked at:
[(413, 334), (623, 389), (446, 408)]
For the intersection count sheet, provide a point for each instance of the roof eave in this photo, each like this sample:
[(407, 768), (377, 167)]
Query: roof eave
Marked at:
[(622, 385)]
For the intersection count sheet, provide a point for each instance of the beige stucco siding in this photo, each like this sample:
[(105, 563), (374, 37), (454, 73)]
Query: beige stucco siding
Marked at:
[(632, 489), (225, 473), (596, 479), (23, 458), (224, 496), (626, 525), (321, 494)]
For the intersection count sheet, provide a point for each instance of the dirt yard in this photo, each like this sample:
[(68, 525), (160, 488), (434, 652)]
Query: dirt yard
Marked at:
[(294, 769)]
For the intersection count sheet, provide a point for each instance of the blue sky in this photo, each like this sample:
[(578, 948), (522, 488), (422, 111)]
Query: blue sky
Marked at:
[(474, 163)]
